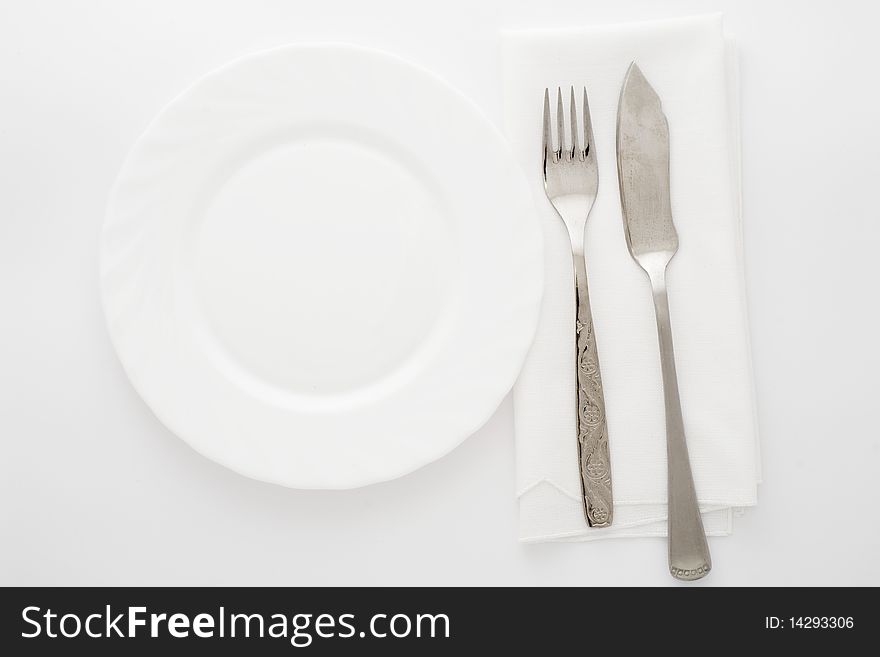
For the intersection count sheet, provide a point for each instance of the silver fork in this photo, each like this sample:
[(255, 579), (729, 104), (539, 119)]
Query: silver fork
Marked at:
[(571, 181)]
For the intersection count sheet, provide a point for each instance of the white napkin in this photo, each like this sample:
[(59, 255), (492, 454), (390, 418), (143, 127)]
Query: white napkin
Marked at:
[(690, 64)]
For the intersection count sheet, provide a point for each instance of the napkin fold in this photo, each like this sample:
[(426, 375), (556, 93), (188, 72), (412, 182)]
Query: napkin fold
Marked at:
[(693, 68)]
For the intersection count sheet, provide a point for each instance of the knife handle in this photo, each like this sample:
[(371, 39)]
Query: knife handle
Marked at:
[(594, 459), (689, 557)]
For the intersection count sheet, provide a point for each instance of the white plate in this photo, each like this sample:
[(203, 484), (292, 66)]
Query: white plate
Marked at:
[(321, 267)]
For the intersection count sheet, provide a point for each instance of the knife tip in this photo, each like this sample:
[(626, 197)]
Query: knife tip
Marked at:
[(634, 72), (636, 87)]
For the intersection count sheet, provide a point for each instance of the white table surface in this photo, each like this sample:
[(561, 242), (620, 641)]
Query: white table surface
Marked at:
[(94, 490)]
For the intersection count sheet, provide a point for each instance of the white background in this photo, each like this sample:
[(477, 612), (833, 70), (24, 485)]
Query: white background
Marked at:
[(93, 490)]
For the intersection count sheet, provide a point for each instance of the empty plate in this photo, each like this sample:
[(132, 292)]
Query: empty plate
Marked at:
[(321, 267)]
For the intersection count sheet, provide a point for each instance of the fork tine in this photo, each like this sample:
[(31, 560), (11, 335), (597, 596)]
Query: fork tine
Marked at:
[(574, 127), (547, 141), (560, 123), (588, 127)]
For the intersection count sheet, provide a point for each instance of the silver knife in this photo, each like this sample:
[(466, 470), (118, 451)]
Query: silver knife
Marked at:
[(643, 175)]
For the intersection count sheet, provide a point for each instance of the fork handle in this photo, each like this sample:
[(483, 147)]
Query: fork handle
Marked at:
[(592, 432), (688, 550)]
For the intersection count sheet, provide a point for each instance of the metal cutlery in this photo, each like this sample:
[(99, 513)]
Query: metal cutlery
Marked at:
[(571, 181), (643, 175)]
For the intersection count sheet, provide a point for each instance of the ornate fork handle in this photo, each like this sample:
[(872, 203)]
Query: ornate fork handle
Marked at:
[(592, 435)]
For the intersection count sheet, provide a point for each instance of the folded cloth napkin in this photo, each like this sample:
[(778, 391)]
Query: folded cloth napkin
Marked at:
[(690, 64)]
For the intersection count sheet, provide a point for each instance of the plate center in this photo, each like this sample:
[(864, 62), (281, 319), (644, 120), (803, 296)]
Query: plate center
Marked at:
[(321, 266)]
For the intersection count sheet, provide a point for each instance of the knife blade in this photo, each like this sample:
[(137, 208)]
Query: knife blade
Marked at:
[(643, 168)]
